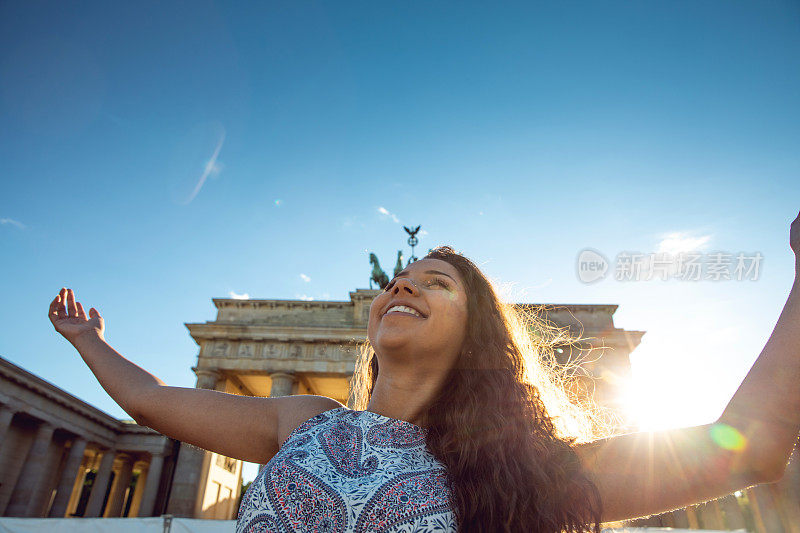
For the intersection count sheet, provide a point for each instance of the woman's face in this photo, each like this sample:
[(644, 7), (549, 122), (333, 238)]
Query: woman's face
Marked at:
[(421, 313)]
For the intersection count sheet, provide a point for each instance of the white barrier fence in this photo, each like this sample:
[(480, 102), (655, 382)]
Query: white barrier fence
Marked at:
[(169, 524), (162, 524)]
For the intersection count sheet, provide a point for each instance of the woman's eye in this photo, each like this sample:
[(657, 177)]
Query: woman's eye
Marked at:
[(438, 281), (389, 286)]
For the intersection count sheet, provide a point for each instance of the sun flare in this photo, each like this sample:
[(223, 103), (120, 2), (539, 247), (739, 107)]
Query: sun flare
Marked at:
[(670, 391)]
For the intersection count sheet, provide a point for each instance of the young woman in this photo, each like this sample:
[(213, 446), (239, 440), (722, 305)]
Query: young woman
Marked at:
[(455, 434)]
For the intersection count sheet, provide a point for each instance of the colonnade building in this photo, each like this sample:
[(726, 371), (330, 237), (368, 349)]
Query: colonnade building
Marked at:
[(61, 457)]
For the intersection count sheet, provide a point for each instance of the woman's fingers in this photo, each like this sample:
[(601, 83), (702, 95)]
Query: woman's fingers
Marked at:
[(61, 308), (64, 306), (52, 313), (72, 309)]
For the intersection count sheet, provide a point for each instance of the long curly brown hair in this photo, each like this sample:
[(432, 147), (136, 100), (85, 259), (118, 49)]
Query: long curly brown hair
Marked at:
[(510, 463)]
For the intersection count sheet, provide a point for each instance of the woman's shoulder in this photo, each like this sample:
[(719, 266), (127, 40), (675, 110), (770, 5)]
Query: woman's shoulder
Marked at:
[(303, 409)]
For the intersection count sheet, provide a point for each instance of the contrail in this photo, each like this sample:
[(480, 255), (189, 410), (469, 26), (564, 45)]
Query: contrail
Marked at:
[(211, 166), (13, 222)]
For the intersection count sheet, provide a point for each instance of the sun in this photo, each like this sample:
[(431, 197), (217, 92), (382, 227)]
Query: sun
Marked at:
[(669, 391)]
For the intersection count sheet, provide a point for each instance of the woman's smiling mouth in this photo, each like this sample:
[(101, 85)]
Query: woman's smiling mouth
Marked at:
[(403, 310)]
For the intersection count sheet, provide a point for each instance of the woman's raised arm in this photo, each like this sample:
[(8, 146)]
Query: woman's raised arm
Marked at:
[(243, 427), (647, 473)]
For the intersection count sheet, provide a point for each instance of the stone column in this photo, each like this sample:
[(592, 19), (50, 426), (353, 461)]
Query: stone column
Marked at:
[(138, 489), (733, 512), (667, 520), (88, 459), (282, 384), (100, 485), (6, 414), (752, 499), (680, 518), (784, 507), (788, 494), (116, 499), (151, 485), (765, 505), (25, 498), (691, 515), (9, 475), (206, 378), (711, 515), (187, 481), (68, 475)]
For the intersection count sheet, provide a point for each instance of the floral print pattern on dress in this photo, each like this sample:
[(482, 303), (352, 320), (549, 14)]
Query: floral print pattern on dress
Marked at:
[(350, 471)]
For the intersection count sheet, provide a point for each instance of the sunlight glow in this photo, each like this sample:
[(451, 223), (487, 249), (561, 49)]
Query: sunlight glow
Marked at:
[(675, 384), (655, 405)]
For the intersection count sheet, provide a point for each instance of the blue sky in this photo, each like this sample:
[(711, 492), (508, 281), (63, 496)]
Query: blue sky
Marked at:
[(157, 155)]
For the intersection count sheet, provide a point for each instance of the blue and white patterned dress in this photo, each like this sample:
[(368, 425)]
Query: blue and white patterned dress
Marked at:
[(346, 470)]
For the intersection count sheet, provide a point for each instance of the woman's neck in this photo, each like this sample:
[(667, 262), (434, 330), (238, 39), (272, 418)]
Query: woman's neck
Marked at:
[(404, 395)]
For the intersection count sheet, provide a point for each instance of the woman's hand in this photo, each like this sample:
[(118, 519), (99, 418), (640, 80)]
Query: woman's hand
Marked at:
[(70, 320)]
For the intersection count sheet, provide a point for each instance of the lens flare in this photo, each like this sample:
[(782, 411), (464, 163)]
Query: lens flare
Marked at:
[(727, 437)]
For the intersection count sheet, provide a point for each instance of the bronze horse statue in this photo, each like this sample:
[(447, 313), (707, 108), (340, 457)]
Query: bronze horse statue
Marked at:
[(399, 266), (378, 275)]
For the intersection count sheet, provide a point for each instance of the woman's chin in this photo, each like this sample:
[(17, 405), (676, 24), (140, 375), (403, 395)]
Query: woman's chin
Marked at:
[(394, 341)]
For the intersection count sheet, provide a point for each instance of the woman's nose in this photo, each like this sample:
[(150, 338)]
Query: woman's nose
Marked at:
[(405, 286)]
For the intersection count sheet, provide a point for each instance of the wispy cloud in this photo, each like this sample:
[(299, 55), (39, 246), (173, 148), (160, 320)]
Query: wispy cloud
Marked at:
[(12, 222), (542, 285), (305, 278), (304, 297), (349, 222), (677, 242), (237, 296), (212, 168), (385, 212), (116, 120)]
